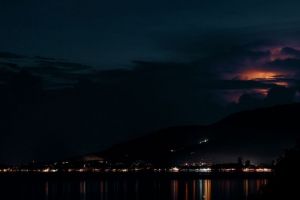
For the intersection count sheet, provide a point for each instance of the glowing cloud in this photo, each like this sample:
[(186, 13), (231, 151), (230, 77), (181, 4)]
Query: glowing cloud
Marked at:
[(254, 65), (252, 75)]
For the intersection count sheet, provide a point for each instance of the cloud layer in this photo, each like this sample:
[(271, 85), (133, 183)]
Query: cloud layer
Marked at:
[(77, 109)]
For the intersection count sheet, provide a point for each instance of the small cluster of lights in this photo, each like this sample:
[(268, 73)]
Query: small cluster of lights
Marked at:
[(203, 141), (257, 170)]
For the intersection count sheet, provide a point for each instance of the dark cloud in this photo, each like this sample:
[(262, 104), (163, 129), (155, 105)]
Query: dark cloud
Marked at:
[(238, 84), (289, 63), (55, 72), (10, 65), (44, 69), (259, 44), (64, 65), (196, 75), (252, 55), (248, 102), (8, 55), (43, 58), (279, 95), (290, 51), (279, 76)]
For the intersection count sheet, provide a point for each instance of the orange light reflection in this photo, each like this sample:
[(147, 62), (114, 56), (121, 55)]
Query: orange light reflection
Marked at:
[(186, 191), (246, 187), (207, 189)]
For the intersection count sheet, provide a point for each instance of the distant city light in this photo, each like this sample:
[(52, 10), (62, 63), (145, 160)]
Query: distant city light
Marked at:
[(203, 141)]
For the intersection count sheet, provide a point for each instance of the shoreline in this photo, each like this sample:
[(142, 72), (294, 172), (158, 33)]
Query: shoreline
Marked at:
[(132, 175)]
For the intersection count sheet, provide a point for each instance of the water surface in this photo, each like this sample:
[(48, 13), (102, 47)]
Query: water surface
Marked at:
[(198, 189)]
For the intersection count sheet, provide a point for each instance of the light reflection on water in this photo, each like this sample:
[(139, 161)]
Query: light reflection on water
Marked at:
[(200, 189)]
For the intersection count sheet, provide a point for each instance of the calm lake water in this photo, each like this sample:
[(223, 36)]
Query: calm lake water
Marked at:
[(198, 189)]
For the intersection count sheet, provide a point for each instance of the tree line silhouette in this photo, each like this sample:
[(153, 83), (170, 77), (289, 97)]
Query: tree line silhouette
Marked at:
[(284, 184)]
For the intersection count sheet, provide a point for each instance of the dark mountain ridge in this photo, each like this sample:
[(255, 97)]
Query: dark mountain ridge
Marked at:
[(259, 135), (277, 118)]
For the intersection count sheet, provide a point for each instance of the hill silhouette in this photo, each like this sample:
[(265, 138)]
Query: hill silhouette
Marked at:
[(259, 135)]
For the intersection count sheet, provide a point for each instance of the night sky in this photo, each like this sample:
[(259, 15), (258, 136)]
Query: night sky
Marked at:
[(79, 76)]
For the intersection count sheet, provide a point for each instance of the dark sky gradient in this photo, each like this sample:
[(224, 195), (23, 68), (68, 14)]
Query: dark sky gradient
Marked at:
[(78, 77)]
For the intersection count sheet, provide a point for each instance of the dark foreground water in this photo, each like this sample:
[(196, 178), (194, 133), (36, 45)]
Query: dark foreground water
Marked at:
[(197, 189)]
